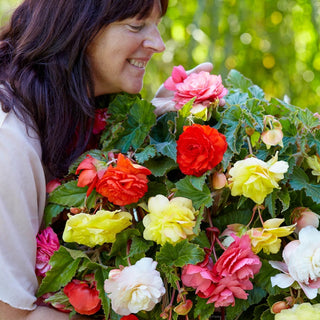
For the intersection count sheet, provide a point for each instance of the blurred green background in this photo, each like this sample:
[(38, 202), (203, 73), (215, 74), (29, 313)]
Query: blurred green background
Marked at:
[(273, 42)]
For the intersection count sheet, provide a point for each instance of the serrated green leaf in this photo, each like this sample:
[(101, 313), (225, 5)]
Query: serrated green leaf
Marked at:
[(69, 195), (185, 110), (299, 180), (236, 98), (140, 120), (146, 154), (65, 263), (199, 197), (51, 211), (202, 309), (139, 246), (256, 92), (270, 202), (160, 166), (170, 274), (236, 80), (100, 276), (180, 254), (167, 148)]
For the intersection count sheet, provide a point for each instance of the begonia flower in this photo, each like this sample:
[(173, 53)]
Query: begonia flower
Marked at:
[(47, 244), (301, 311), (169, 220), (206, 88), (125, 183), (135, 288), (228, 289), (200, 277), (200, 148), (301, 263), (83, 296), (267, 237), (91, 170), (96, 229), (255, 179), (238, 260)]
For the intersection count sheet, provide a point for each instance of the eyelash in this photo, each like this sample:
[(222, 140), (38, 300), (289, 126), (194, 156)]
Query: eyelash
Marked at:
[(136, 28)]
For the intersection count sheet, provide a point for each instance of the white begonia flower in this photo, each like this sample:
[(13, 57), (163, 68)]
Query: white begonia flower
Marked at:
[(135, 288), (301, 263)]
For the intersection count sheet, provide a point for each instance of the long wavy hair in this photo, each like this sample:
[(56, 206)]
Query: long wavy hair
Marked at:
[(45, 73)]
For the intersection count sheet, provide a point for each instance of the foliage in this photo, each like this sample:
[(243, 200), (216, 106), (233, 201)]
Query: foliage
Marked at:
[(243, 121)]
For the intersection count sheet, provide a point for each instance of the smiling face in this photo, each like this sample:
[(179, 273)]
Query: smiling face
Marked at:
[(120, 52)]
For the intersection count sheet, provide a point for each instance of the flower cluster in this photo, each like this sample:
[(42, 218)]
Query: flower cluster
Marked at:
[(208, 209)]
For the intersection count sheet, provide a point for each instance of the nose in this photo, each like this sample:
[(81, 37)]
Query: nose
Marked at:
[(154, 40)]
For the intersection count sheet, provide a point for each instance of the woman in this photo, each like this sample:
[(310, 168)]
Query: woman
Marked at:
[(56, 58)]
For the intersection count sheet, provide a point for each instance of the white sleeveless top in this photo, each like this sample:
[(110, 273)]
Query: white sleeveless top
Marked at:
[(22, 201)]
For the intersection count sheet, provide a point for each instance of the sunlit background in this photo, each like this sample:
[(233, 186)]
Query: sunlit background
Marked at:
[(273, 42)]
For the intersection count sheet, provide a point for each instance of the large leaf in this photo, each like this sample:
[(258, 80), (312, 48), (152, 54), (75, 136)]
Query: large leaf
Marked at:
[(65, 263), (187, 189), (299, 180), (202, 309), (51, 211), (100, 276), (180, 254), (236, 80)]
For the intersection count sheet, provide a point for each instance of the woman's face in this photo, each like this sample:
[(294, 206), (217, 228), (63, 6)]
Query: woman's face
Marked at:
[(119, 53)]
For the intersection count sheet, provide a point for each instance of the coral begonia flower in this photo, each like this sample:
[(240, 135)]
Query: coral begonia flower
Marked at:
[(124, 184), (83, 296), (91, 171)]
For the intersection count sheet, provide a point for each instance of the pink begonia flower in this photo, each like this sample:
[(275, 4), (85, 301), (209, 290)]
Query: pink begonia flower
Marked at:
[(200, 277), (135, 288), (52, 185), (91, 170), (301, 263), (228, 289), (47, 244), (206, 88), (238, 260)]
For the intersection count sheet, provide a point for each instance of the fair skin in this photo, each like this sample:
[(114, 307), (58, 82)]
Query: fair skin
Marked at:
[(120, 52)]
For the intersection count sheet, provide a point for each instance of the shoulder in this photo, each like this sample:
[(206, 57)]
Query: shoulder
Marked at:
[(16, 134)]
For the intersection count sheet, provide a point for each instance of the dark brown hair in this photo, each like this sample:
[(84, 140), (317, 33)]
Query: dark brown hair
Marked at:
[(44, 71)]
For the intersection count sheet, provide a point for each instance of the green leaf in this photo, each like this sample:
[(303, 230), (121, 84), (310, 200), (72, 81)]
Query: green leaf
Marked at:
[(170, 274), (147, 153), (256, 92), (236, 80), (140, 120), (100, 276), (69, 195), (199, 197), (270, 202), (139, 246), (255, 296), (203, 309), (65, 263), (119, 247), (51, 211), (167, 148), (180, 254), (160, 166), (263, 278), (299, 180), (185, 110)]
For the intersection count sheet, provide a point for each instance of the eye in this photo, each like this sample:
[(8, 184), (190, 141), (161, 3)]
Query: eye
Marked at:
[(136, 28)]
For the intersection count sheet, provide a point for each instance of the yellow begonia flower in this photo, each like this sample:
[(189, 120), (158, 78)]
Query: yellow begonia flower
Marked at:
[(267, 237), (169, 221), (96, 229), (314, 164), (255, 179), (300, 312)]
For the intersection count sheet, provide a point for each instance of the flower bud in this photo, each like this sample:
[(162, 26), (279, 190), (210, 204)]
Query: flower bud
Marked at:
[(183, 308), (279, 306), (74, 210), (304, 217), (250, 131), (219, 180)]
